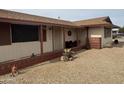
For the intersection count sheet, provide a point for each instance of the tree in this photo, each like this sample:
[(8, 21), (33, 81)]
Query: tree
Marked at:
[(121, 30)]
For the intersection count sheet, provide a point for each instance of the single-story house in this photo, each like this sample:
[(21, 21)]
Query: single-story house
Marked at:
[(29, 39)]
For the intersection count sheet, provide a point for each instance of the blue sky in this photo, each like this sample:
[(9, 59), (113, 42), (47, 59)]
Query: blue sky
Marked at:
[(117, 16)]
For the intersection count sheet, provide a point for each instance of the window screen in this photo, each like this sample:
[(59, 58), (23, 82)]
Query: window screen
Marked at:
[(107, 32), (24, 33)]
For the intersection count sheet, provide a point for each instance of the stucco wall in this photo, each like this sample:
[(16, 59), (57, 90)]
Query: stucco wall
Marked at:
[(82, 35), (54, 40), (48, 44), (19, 50), (99, 32), (96, 32), (107, 41), (58, 38), (73, 37)]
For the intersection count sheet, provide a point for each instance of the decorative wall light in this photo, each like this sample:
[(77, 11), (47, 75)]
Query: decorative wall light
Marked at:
[(69, 33)]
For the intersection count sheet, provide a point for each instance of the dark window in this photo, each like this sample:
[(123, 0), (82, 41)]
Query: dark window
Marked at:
[(107, 32), (24, 33), (44, 29)]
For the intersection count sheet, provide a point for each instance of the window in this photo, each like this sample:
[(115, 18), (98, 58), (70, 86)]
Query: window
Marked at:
[(44, 29), (107, 32), (24, 33)]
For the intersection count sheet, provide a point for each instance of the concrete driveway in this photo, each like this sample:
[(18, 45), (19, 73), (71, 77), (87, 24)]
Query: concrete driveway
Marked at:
[(121, 42)]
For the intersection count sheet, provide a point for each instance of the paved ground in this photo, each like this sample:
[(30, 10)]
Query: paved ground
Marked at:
[(91, 66), (121, 42)]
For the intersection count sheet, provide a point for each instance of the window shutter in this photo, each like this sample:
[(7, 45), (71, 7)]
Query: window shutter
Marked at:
[(44, 33)]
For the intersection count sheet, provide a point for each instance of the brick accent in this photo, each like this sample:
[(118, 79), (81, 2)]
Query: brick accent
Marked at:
[(5, 67), (95, 42)]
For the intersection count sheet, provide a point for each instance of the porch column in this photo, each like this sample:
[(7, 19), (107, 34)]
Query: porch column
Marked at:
[(87, 39), (41, 38), (53, 37), (63, 37), (78, 43)]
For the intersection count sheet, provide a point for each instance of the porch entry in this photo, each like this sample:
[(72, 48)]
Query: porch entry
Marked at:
[(70, 44), (57, 38), (70, 38), (75, 38)]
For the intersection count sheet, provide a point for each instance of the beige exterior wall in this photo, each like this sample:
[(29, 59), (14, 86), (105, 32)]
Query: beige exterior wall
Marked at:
[(19, 50), (73, 37), (54, 40), (82, 35), (58, 38), (99, 32), (48, 44), (107, 41)]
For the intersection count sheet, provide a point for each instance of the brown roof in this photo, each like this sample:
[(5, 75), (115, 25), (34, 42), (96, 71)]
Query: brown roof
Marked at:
[(27, 17), (94, 21), (115, 26), (5, 14)]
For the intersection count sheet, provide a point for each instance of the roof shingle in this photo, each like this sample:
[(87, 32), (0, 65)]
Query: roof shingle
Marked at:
[(33, 18), (94, 21), (27, 17)]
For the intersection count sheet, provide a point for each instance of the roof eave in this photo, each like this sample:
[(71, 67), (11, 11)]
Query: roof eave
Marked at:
[(115, 26), (96, 25)]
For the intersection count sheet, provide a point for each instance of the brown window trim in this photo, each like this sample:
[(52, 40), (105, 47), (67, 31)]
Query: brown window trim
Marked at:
[(5, 34), (107, 32)]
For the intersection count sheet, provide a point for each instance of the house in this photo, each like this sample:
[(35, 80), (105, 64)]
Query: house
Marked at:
[(29, 39)]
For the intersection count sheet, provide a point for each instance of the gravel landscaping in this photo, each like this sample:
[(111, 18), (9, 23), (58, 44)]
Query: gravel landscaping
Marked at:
[(91, 66)]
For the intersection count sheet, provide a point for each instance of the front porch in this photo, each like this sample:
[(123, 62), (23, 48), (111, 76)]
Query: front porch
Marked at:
[(60, 37), (41, 42)]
